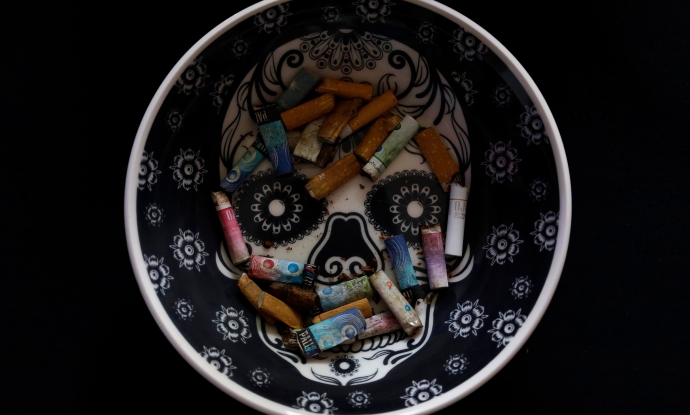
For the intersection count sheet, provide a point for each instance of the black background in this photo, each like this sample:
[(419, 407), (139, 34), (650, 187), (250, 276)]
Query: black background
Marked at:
[(77, 336)]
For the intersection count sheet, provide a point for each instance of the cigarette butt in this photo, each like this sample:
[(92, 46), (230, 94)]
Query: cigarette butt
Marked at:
[(269, 305), (274, 269), (280, 311), (371, 111), (343, 89), (438, 157), (231, 228), (293, 138), (397, 304), (330, 332), (333, 176), (375, 136), (302, 84), (337, 119), (432, 242), (309, 111), (253, 293), (385, 322), (309, 146), (326, 155), (455, 226), (344, 293), (241, 171), (362, 305), (401, 262), (275, 138), (390, 148), (301, 298), (288, 336)]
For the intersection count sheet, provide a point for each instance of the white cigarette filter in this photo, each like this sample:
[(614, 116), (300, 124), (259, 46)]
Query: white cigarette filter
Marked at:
[(455, 229), (398, 305)]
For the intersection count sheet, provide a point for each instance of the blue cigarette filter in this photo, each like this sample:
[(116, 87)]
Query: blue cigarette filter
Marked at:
[(251, 158), (330, 332), (302, 84), (402, 267), (273, 132), (344, 293)]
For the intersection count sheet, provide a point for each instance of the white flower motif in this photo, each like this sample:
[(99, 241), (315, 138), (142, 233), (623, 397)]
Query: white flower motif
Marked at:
[(467, 45), (148, 171), (359, 399), (502, 96), (373, 10), (184, 309), (505, 326), (314, 402), (260, 378), (456, 364), (467, 318), (532, 126), (426, 33), (501, 162), (545, 231), (240, 48), (538, 189), (232, 324), (193, 78), (154, 214), (330, 14), (174, 120), (467, 85), (188, 169), (273, 18), (159, 273), (220, 90), (219, 360), (502, 244), (521, 287), (189, 250), (421, 392)]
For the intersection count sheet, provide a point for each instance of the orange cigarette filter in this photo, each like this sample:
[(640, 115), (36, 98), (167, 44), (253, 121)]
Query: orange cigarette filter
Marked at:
[(344, 89), (280, 311), (377, 133), (333, 176), (253, 292), (307, 112), (337, 119), (438, 157), (361, 305), (268, 305), (371, 111)]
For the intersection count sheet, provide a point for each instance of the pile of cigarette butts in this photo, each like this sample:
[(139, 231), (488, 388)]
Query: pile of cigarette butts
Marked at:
[(306, 124)]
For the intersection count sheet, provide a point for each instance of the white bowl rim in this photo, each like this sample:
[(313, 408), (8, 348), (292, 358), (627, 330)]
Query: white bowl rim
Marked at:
[(265, 405)]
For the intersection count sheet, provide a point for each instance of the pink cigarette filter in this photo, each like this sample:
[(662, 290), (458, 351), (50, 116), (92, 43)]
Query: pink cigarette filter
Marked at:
[(432, 241), (231, 228)]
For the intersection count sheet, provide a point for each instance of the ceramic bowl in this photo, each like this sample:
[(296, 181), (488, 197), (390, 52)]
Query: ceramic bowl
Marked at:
[(447, 72)]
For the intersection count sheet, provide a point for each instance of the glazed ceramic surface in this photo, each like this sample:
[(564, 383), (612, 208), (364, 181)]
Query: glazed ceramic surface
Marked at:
[(447, 73)]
